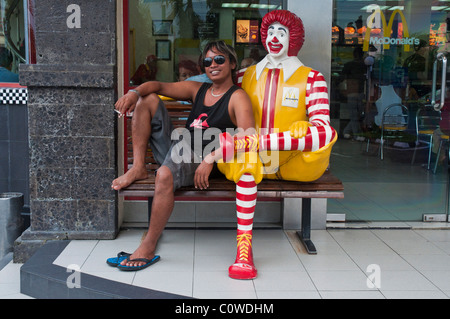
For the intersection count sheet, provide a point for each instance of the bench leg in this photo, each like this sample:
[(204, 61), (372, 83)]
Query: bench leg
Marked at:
[(305, 233)]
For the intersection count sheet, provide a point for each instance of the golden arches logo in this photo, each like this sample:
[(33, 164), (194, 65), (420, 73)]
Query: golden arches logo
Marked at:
[(386, 41), (290, 95)]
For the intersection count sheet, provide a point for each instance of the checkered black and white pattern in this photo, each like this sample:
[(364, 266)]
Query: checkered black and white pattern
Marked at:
[(13, 95)]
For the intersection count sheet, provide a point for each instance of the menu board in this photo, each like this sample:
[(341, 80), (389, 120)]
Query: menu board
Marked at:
[(247, 31)]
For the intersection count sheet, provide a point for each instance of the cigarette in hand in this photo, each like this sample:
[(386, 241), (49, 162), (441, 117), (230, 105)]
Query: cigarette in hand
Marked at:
[(118, 112)]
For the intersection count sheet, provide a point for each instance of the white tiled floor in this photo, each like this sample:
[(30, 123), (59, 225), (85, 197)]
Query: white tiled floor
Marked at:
[(10, 282), (413, 264)]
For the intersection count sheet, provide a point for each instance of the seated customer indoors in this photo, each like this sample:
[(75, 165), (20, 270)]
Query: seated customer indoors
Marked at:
[(220, 104)]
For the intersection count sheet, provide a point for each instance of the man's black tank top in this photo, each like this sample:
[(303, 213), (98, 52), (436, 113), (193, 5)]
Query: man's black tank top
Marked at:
[(209, 119)]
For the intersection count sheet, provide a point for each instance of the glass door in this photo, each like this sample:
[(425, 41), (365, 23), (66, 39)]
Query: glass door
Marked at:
[(388, 82)]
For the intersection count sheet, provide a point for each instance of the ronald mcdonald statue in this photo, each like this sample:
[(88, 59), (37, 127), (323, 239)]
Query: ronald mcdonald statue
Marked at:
[(293, 137)]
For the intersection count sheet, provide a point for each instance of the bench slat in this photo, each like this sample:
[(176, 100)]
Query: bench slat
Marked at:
[(328, 186)]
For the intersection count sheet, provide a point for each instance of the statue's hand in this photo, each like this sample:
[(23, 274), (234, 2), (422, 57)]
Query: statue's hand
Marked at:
[(299, 129)]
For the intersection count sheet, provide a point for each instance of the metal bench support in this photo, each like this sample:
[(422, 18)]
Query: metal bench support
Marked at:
[(305, 233)]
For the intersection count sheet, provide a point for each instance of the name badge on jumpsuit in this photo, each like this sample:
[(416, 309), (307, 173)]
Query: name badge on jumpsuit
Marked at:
[(291, 97)]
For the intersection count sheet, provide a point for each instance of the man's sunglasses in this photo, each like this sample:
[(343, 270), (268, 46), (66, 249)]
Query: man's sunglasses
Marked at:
[(219, 59)]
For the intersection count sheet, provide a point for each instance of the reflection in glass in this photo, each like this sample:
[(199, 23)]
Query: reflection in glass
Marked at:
[(175, 31), (13, 38), (382, 62)]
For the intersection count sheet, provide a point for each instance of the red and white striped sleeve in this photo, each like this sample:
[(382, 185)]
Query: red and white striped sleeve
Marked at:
[(317, 102), (240, 76)]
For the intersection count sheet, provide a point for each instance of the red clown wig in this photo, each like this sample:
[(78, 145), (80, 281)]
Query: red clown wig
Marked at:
[(289, 20)]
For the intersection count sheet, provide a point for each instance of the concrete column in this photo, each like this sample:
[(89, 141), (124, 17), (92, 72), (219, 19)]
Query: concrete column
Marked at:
[(72, 126)]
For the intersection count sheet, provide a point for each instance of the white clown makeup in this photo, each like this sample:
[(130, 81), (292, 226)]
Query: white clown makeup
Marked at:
[(277, 41)]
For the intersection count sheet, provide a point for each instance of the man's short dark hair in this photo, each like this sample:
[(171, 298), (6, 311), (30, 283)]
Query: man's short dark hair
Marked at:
[(224, 48)]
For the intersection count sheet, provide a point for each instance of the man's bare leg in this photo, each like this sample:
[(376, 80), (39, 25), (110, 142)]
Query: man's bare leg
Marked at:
[(141, 130), (162, 206)]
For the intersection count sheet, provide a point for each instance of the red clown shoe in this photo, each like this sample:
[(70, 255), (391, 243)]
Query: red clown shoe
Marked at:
[(243, 268)]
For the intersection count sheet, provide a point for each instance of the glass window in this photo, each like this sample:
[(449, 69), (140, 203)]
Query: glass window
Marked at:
[(165, 38), (385, 43), (13, 38), (392, 141)]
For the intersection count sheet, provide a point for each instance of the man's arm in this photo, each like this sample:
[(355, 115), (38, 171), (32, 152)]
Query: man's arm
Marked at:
[(185, 90), (241, 114), (241, 110)]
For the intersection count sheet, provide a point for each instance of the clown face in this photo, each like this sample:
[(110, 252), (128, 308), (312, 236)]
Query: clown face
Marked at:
[(277, 41)]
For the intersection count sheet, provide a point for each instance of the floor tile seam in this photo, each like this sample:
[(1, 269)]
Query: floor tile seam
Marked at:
[(432, 242), (311, 279), (354, 290), (346, 253), (364, 271), (420, 272), (419, 232), (386, 242), (371, 240), (89, 254), (324, 291), (86, 257), (416, 291), (293, 248), (442, 251)]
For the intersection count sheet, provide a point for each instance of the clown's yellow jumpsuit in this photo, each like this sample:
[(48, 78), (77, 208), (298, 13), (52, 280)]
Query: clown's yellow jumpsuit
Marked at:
[(277, 104)]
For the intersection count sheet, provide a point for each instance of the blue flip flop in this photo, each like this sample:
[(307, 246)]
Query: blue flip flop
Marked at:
[(147, 262), (115, 261)]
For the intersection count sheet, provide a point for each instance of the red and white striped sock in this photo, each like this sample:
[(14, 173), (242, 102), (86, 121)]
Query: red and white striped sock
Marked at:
[(246, 194)]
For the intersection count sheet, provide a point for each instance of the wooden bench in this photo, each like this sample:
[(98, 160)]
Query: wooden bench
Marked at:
[(328, 186)]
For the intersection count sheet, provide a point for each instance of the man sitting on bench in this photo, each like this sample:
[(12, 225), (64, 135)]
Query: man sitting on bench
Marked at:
[(220, 105)]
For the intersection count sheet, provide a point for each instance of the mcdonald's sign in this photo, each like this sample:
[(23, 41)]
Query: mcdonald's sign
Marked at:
[(386, 40)]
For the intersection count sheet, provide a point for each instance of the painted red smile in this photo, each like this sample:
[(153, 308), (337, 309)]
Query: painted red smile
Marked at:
[(275, 47)]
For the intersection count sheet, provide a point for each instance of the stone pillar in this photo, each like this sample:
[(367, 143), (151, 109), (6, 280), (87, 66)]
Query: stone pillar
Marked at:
[(72, 126)]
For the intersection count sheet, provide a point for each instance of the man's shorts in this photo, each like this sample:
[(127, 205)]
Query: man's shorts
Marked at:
[(173, 154)]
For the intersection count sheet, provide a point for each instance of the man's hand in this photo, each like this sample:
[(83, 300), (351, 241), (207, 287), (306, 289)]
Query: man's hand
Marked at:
[(201, 178), (126, 103), (299, 129)]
